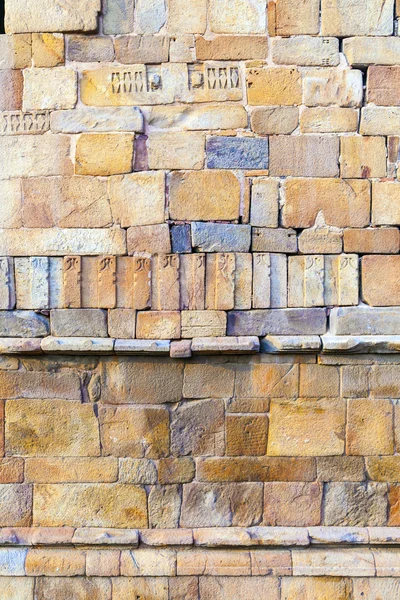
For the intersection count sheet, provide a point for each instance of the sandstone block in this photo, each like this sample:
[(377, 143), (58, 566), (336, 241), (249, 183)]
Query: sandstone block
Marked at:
[(240, 16), (197, 428), (137, 470), (364, 587), (221, 505), (49, 89), (341, 19), (16, 505), (90, 505), (165, 293), (324, 87), (182, 48), (39, 385), (274, 240), (38, 282), (365, 51), (329, 588), (208, 381), (319, 381), (266, 380), (372, 241), (269, 281), (355, 504), (335, 562), (290, 321), (16, 51), (245, 588), (185, 150), (35, 156), (164, 507), (237, 153), (370, 427), (298, 17), (306, 51), (383, 85), (148, 562), (379, 120), (55, 563), (220, 237), (355, 381), (210, 323), (11, 469), (17, 588), (176, 470), (141, 381), (226, 345), (81, 16), (307, 427), (118, 16), (292, 504), (220, 281), (273, 121), (151, 239), (246, 435), (79, 588), (342, 203), (141, 49), (364, 320), (71, 470), (283, 343), (103, 563), (197, 117), (385, 204), (380, 281), (274, 86), (340, 468), (321, 240), (135, 432), (146, 587), (51, 428), (383, 468), (291, 156), (150, 17), (148, 189), (213, 562), (11, 204), (159, 325), (203, 196), (230, 47), (90, 49), (329, 120), (362, 157), (122, 323), (48, 49), (183, 588), (79, 323), (104, 154), (182, 19), (124, 118), (12, 561), (180, 239), (264, 468), (156, 347), (264, 203)]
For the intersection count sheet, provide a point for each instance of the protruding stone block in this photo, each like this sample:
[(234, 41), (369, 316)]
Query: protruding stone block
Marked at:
[(325, 87), (50, 16), (291, 321)]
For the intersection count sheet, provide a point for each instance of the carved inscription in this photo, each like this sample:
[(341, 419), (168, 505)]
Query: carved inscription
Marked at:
[(135, 81), (141, 293), (107, 278), (72, 279), (192, 278), (220, 281), (165, 288), (213, 78), (18, 123)]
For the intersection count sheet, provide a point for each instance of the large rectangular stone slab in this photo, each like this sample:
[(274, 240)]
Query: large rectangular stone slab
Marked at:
[(123, 118), (237, 153), (291, 321), (51, 15), (221, 237), (360, 17), (365, 320), (23, 324), (197, 117), (304, 156), (35, 156), (380, 280)]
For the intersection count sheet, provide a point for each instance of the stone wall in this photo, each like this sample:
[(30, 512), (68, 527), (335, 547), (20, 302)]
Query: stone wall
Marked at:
[(200, 300)]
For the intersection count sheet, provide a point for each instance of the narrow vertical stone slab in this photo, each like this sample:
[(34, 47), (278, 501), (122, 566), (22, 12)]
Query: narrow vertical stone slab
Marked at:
[(269, 281), (125, 267), (243, 281), (118, 16), (56, 291), (192, 281), (89, 282), (220, 281), (341, 280), (165, 282), (141, 283), (7, 284), (107, 275), (72, 279), (32, 282)]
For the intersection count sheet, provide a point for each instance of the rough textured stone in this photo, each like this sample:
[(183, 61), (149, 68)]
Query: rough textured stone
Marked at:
[(16, 505), (48, 49), (246, 435), (329, 588), (278, 86), (296, 17), (379, 120), (35, 156), (23, 323), (343, 19), (289, 321), (292, 504), (237, 153), (329, 120), (85, 120), (185, 150), (274, 240), (385, 204), (369, 427), (383, 85), (148, 189), (42, 89), (239, 16), (355, 504), (104, 154), (304, 156), (208, 381), (364, 320), (79, 323), (218, 237), (70, 470), (151, 239), (372, 241), (17, 588), (93, 49), (323, 87), (81, 16), (231, 47), (197, 428), (308, 52), (197, 117), (363, 157), (380, 281), (185, 19), (245, 588), (118, 16), (96, 588), (273, 121), (164, 507)]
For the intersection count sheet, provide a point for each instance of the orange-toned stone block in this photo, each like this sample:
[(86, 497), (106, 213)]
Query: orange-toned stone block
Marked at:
[(369, 427), (158, 325), (372, 241), (274, 87), (292, 504), (55, 563), (380, 280), (104, 154), (246, 435), (362, 157)]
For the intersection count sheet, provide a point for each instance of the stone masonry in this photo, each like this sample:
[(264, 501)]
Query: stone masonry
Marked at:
[(200, 300)]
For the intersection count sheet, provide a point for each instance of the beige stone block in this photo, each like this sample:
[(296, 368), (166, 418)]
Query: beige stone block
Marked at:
[(375, 587), (71, 470), (17, 588), (319, 380), (176, 150), (324, 87), (102, 563), (11, 470), (267, 380), (208, 381), (183, 588), (134, 432), (11, 85), (333, 562), (90, 505), (321, 240), (150, 16), (151, 239), (292, 504), (243, 281), (184, 18), (49, 89), (206, 195), (78, 588), (275, 120), (383, 468), (182, 48), (230, 47), (383, 85), (380, 280), (79, 120), (304, 156), (369, 427), (294, 17), (245, 588), (133, 283), (274, 86), (158, 325), (203, 323), (15, 51), (237, 16), (148, 192), (164, 507), (365, 51), (35, 156), (307, 427), (213, 562), (310, 588), (192, 284), (52, 562), (340, 468), (148, 562), (197, 117), (65, 202), (306, 51), (329, 120), (145, 587), (47, 49), (372, 241), (11, 204), (122, 323), (340, 18), (220, 281), (385, 203), (132, 49), (363, 156), (104, 154), (341, 203), (269, 280), (165, 292), (50, 16), (51, 428), (379, 120), (246, 435), (137, 470), (264, 210)]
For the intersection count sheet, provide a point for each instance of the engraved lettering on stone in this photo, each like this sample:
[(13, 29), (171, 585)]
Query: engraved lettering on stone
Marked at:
[(192, 277), (165, 291)]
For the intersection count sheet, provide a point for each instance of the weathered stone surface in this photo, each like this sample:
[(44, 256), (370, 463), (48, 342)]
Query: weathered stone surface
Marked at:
[(265, 203), (148, 562), (118, 16), (79, 588), (70, 470), (197, 428), (274, 240), (221, 505), (231, 48), (135, 432), (221, 588), (79, 323), (197, 117), (48, 49), (385, 204), (15, 505), (176, 470), (274, 86), (266, 380), (383, 85), (226, 345), (273, 121), (333, 562), (203, 196), (342, 203), (237, 153), (141, 49), (319, 380), (17, 588), (82, 16), (340, 468), (151, 239), (380, 281), (277, 322), (264, 468), (142, 381), (239, 16), (182, 19), (282, 343), (122, 323), (185, 150), (164, 325), (92, 505), (306, 51), (246, 435), (51, 562), (363, 320), (141, 586), (364, 51), (307, 427), (23, 323), (292, 504), (329, 588), (42, 89), (150, 17), (137, 470), (304, 156), (321, 240), (104, 154), (380, 120), (369, 427), (203, 323), (363, 157), (295, 17), (370, 587), (51, 428), (39, 385), (329, 120), (82, 120), (93, 49), (164, 507), (148, 189), (372, 241), (11, 82), (208, 381), (323, 87), (160, 347), (220, 237), (356, 504), (16, 51), (35, 156)]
